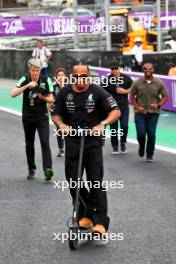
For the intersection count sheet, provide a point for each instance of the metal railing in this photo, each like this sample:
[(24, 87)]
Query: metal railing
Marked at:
[(149, 6), (85, 41)]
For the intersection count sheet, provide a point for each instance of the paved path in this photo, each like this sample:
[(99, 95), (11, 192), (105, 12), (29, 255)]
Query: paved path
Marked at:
[(31, 211)]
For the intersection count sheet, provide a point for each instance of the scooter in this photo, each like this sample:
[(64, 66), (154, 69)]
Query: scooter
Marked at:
[(74, 231)]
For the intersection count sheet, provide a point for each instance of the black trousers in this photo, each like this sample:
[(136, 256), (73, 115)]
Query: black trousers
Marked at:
[(124, 118), (137, 67), (60, 140), (30, 127), (94, 198)]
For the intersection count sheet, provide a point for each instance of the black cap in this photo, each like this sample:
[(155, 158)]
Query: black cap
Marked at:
[(115, 64)]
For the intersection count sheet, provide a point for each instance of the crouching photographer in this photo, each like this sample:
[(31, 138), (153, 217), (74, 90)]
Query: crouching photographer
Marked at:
[(37, 92)]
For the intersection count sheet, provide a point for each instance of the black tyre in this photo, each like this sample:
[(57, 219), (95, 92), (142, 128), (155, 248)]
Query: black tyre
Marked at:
[(73, 239)]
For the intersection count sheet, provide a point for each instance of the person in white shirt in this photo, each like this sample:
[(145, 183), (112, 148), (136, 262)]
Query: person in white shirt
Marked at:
[(137, 52), (44, 55)]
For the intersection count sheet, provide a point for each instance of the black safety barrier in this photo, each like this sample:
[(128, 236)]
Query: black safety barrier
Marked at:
[(13, 62)]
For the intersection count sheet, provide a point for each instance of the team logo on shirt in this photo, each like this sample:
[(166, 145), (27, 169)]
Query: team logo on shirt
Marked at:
[(70, 103), (90, 97), (90, 103), (70, 97), (32, 98)]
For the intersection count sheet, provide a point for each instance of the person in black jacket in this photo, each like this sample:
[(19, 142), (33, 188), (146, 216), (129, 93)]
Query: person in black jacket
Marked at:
[(118, 85)]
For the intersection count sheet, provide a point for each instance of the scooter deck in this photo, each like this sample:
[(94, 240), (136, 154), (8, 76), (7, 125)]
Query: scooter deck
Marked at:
[(85, 230), (85, 233)]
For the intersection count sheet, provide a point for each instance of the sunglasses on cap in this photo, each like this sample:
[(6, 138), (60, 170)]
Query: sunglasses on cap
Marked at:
[(115, 68), (80, 75)]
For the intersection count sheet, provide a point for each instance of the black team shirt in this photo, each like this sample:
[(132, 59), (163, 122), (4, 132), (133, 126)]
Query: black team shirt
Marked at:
[(84, 109), (123, 81), (33, 107)]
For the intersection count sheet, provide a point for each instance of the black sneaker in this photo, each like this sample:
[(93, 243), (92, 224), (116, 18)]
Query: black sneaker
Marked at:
[(115, 151), (141, 151), (149, 159), (31, 175), (61, 153), (123, 148)]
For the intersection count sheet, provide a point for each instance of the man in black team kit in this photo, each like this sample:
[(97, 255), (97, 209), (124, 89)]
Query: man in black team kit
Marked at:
[(86, 105), (37, 92), (118, 85)]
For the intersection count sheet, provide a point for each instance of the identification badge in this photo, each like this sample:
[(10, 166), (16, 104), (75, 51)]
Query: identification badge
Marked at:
[(32, 103)]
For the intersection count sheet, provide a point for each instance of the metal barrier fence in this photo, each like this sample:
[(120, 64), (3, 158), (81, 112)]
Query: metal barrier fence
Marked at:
[(13, 61), (169, 82), (86, 41)]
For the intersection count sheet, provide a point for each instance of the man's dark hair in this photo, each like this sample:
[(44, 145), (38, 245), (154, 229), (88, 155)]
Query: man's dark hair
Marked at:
[(148, 63), (60, 70), (39, 40), (80, 65)]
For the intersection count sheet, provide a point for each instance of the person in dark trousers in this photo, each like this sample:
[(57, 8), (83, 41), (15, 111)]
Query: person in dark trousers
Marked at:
[(60, 79), (137, 52), (86, 105), (37, 92), (148, 94), (118, 85)]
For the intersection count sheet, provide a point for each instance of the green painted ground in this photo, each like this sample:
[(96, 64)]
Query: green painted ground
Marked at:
[(7, 101), (166, 132)]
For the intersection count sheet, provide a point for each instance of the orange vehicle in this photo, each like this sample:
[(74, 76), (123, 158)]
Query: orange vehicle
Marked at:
[(124, 41)]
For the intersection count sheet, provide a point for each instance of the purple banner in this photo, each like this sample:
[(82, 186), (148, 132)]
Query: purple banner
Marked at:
[(48, 26), (169, 82), (146, 19)]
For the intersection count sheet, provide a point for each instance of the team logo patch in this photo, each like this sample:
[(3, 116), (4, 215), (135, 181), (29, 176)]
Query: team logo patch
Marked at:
[(70, 97), (90, 97), (89, 110)]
